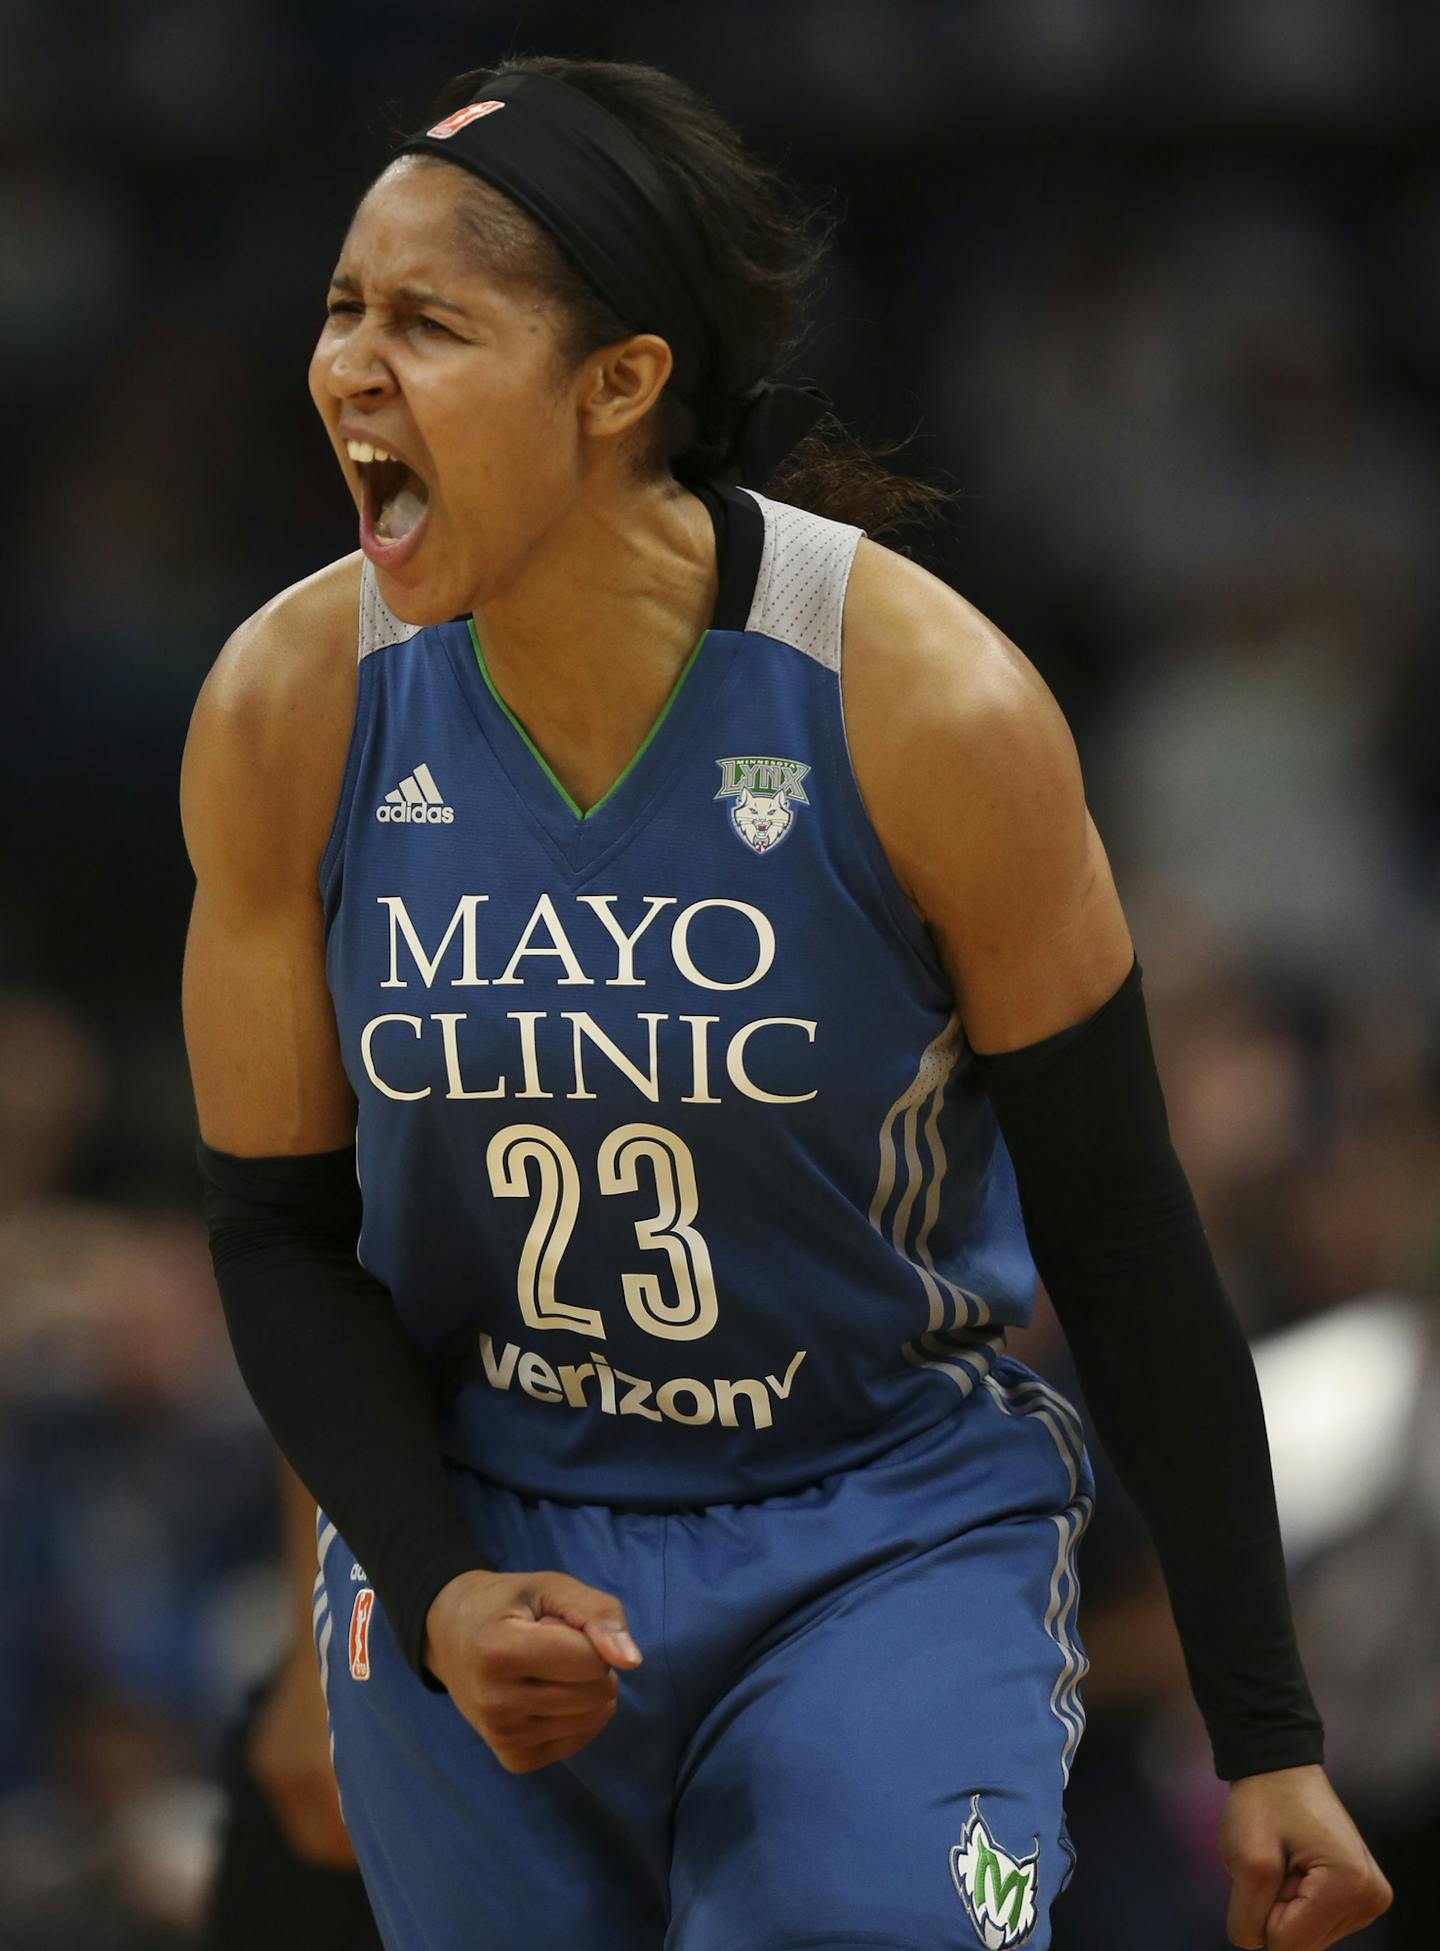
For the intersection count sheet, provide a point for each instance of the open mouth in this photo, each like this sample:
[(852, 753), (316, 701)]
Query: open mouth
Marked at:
[(395, 498), (394, 501)]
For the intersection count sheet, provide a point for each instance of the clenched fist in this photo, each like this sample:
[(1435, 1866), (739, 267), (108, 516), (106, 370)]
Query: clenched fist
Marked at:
[(529, 1659), (1302, 1877)]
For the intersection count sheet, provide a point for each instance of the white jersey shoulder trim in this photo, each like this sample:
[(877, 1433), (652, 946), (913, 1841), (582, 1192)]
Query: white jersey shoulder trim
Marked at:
[(379, 626), (804, 567)]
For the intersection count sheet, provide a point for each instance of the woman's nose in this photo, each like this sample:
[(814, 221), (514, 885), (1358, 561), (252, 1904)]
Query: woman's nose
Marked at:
[(355, 368)]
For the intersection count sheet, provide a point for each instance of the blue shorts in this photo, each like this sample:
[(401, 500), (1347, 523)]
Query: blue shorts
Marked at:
[(853, 1725)]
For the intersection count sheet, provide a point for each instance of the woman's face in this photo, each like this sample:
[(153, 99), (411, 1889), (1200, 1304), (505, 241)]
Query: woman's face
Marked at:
[(456, 374)]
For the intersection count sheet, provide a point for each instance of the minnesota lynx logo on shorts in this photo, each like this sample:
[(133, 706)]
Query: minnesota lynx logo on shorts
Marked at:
[(764, 791), (997, 1891)]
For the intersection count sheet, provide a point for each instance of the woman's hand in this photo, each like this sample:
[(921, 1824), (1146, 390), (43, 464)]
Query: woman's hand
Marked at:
[(1302, 1875), (529, 1659)]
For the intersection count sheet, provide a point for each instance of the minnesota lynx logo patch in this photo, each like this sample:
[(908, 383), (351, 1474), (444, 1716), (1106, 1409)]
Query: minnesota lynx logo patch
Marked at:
[(997, 1891), (764, 792)]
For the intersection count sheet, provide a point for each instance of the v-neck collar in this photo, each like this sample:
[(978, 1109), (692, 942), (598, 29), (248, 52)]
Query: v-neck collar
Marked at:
[(539, 757), (579, 839)]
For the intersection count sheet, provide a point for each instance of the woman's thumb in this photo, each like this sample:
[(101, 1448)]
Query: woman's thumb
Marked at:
[(605, 1628), (598, 1615)]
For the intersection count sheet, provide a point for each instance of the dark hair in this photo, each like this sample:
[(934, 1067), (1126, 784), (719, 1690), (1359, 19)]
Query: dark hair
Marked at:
[(765, 248)]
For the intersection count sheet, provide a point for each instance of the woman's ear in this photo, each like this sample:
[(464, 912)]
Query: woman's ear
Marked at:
[(623, 382)]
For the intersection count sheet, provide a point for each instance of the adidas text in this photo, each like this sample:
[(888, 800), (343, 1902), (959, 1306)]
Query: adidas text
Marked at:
[(407, 815)]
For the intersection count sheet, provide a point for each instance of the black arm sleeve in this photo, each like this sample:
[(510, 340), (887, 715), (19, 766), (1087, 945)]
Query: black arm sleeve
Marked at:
[(345, 1392), (1163, 1362)]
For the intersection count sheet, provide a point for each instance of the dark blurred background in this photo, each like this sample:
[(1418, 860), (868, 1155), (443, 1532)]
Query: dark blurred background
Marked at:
[(1157, 287)]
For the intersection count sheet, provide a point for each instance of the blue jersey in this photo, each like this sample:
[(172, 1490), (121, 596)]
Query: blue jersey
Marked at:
[(670, 1147)]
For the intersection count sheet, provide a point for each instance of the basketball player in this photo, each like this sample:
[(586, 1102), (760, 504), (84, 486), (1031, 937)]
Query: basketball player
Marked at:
[(692, 906)]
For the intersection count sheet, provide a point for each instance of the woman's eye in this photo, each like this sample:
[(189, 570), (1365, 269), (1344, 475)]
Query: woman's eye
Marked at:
[(352, 308)]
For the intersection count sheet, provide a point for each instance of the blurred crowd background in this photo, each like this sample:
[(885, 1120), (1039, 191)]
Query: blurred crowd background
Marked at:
[(1157, 289)]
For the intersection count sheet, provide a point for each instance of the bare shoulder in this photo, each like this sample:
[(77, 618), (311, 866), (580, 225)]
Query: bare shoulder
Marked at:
[(972, 783), (952, 731), (266, 750), (289, 657)]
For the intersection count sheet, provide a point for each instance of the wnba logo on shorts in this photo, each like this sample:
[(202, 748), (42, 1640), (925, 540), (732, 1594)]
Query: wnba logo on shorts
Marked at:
[(463, 117), (360, 1634)]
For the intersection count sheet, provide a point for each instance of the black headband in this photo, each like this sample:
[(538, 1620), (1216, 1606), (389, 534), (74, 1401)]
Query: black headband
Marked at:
[(580, 172)]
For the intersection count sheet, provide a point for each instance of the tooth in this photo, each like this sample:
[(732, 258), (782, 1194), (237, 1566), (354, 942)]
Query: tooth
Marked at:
[(363, 451), (381, 455)]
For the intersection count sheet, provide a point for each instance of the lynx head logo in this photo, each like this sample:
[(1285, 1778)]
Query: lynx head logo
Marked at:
[(765, 792), (997, 1890), (761, 819)]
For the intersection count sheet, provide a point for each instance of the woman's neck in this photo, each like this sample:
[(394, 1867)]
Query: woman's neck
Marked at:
[(588, 642)]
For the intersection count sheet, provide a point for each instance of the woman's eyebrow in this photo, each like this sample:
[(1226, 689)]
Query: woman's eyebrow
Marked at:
[(436, 298), (409, 293)]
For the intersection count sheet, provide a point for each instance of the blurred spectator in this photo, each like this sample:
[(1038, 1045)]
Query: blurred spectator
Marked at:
[(50, 1090)]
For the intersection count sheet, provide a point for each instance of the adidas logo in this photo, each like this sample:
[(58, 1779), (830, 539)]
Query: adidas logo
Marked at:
[(416, 801)]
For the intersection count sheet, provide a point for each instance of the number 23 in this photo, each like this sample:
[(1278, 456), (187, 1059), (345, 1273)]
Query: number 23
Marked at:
[(684, 1316)]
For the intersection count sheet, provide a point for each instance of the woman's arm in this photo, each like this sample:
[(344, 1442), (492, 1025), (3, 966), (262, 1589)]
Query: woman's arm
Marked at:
[(343, 1389), (258, 788), (973, 785)]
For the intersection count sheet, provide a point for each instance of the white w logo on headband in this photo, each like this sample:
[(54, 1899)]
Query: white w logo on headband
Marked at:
[(463, 117)]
